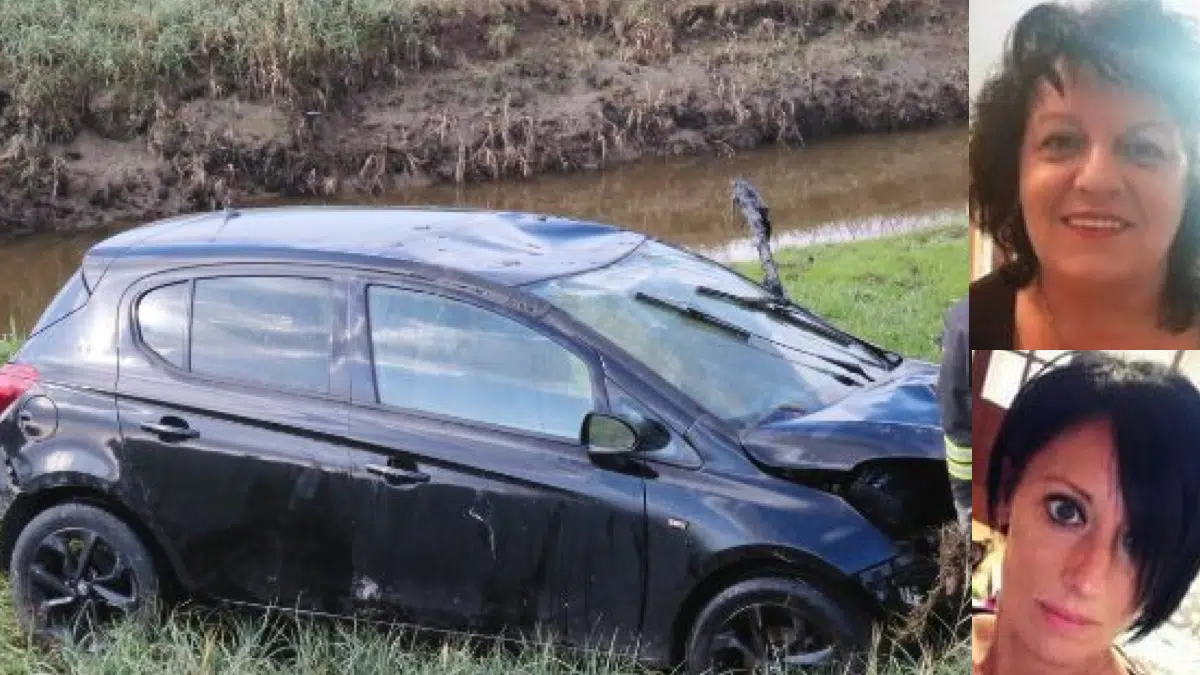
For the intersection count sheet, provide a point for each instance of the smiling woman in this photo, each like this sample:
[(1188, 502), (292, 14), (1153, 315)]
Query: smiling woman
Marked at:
[(1091, 481), (1084, 171)]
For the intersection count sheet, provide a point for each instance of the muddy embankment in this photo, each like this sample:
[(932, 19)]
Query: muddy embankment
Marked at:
[(484, 97)]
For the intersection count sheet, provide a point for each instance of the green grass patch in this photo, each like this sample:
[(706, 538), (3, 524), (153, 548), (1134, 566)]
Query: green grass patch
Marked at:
[(893, 291), (10, 340)]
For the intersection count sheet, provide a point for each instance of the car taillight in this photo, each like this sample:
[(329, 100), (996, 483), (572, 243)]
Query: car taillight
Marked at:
[(15, 379)]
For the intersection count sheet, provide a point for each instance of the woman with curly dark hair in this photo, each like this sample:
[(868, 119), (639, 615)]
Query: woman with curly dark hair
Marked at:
[(1084, 172)]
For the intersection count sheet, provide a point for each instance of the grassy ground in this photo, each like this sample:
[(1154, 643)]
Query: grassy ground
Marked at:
[(9, 341), (891, 290), (197, 643)]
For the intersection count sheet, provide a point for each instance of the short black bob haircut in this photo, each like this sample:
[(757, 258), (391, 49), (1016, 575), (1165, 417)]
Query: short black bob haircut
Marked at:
[(1137, 44), (1155, 416)]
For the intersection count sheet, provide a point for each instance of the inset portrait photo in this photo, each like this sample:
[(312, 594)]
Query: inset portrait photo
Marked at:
[(1086, 512)]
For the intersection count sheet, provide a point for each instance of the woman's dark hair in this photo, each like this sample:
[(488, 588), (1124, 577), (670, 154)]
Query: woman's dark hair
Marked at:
[(1135, 43), (1155, 418)]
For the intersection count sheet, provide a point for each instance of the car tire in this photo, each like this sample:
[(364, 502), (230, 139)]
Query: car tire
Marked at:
[(58, 595), (831, 628)]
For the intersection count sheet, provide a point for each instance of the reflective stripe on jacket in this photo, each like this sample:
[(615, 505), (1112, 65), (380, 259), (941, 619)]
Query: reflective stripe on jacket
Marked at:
[(954, 390), (958, 460)]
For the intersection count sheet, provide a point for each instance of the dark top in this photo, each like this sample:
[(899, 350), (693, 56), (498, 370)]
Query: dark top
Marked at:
[(994, 311), (954, 375)]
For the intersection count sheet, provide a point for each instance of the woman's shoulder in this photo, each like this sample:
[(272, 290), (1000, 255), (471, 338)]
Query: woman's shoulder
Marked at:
[(993, 301), (1132, 665)]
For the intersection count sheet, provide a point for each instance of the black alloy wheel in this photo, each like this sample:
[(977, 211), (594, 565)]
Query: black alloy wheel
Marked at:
[(776, 625), (76, 569)]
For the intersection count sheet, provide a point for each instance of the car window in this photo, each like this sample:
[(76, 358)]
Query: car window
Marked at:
[(276, 331), (452, 358), (738, 366), (668, 447), (162, 321)]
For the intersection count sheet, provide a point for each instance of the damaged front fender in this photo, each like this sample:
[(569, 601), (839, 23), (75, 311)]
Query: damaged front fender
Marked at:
[(898, 418)]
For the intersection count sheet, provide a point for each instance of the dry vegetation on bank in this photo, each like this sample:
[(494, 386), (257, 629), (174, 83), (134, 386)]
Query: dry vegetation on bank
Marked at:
[(61, 56), (133, 109)]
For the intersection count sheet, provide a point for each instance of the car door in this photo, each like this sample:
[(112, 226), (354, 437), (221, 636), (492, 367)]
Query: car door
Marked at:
[(479, 508), (232, 405)]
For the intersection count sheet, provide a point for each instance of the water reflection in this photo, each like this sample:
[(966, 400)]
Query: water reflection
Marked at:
[(862, 184)]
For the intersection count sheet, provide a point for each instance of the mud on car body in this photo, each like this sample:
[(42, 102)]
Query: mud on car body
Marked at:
[(477, 421)]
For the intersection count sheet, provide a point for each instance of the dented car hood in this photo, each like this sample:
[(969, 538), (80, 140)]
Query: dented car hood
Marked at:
[(895, 417)]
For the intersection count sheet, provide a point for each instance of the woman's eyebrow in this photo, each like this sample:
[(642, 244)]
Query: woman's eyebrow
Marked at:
[(1056, 117), (1150, 125), (1087, 496)]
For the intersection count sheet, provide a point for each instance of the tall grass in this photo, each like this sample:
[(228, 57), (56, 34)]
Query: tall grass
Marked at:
[(57, 55), (261, 644)]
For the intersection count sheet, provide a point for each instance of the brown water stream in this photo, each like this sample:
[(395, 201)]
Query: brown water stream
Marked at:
[(828, 191)]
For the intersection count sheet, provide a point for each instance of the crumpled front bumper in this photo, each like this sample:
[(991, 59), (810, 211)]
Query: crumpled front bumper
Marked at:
[(904, 582)]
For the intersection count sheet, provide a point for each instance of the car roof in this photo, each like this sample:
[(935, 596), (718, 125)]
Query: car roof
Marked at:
[(510, 248)]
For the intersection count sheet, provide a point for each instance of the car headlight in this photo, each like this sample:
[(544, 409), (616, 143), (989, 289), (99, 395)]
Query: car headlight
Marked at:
[(904, 498)]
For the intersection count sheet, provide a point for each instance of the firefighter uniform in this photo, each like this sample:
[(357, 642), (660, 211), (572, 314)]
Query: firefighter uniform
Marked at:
[(954, 395)]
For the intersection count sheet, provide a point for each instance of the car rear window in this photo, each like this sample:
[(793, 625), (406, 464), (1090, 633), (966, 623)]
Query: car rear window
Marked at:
[(70, 297), (276, 331), (162, 320)]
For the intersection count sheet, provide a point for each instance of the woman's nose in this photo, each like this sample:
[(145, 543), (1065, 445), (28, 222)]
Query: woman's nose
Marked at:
[(1089, 566), (1099, 171)]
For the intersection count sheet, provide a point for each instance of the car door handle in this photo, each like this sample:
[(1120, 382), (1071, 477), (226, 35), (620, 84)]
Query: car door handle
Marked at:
[(172, 431), (396, 474)]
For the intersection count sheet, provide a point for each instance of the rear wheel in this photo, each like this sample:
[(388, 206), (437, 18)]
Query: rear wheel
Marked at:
[(76, 568), (776, 625)]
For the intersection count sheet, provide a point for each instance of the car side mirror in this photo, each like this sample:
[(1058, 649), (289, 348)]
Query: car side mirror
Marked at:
[(605, 435)]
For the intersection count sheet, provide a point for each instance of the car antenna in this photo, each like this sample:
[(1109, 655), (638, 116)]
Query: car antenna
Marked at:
[(754, 210), (228, 214)]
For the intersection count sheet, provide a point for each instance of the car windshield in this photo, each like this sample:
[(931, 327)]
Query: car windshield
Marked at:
[(714, 334)]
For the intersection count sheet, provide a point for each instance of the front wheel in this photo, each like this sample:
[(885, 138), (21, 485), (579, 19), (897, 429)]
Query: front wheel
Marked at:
[(775, 625), (75, 568)]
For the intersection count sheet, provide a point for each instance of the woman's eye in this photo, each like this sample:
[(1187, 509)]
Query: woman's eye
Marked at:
[(1061, 143), (1064, 511), (1145, 152)]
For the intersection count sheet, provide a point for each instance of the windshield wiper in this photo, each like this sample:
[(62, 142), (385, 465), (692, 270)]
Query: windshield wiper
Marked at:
[(742, 334), (695, 314), (787, 310)]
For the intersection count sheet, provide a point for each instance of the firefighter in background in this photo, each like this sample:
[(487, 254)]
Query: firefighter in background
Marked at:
[(954, 395)]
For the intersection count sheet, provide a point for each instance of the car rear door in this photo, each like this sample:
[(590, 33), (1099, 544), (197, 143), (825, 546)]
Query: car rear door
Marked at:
[(232, 406), (478, 508)]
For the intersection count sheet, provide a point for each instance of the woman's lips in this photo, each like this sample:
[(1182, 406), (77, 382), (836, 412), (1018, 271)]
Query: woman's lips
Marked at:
[(1062, 619)]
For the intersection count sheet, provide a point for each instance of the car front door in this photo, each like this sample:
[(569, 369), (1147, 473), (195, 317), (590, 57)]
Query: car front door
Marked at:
[(232, 408), (479, 508)]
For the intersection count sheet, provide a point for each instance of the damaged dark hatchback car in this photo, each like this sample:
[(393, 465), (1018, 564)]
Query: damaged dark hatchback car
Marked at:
[(465, 420)]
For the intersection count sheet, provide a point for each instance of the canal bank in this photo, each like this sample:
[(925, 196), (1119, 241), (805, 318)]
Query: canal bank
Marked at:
[(506, 90)]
